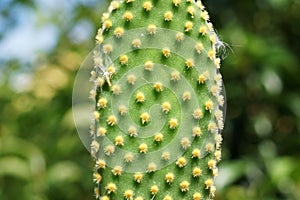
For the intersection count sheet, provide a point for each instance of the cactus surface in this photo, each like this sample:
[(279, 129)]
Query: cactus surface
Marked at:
[(159, 102)]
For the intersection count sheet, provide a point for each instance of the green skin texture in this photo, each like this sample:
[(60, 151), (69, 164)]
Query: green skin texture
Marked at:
[(137, 58)]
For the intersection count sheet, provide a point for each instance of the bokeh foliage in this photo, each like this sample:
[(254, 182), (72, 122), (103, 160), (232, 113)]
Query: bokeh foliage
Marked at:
[(41, 155)]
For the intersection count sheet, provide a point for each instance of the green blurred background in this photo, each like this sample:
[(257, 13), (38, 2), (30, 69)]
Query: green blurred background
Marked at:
[(44, 42)]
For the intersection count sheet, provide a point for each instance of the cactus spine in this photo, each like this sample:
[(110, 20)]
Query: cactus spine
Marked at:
[(158, 102)]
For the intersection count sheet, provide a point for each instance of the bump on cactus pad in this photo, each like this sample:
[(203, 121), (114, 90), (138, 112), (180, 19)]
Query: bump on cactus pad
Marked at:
[(159, 102)]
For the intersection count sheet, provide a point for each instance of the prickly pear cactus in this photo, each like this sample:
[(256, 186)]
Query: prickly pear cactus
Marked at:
[(159, 102)]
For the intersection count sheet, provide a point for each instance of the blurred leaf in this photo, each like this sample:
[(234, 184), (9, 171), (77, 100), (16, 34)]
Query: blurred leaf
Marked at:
[(65, 171), (27, 150), (281, 168), (14, 166), (231, 172)]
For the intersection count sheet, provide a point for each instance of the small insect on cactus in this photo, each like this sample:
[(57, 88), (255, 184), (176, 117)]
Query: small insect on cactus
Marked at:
[(159, 102)]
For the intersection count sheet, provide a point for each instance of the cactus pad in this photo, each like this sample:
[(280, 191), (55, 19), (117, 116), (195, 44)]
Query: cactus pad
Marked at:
[(159, 102)]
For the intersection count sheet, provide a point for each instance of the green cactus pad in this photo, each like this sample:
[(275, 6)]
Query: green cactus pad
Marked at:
[(159, 102)]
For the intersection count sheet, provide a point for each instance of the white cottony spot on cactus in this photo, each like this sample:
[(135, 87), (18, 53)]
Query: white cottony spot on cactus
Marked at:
[(145, 117), (99, 133), (138, 177), (158, 137), (165, 155), (166, 107), (184, 186), (215, 90), (205, 15), (169, 177), (111, 187), (119, 31), (215, 172), (209, 147), (136, 43), (117, 170), (212, 127), (154, 190), (197, 196), (149, 66), (173, 123), (197, 131), (95, 146), (211, 164), (179, 37), (128, 157), (115, 5), (132, 131), (203, 30), (209, 105), (188, 26), (111, 70), (131, 79), (218, 78), (97, 193), (143, 148), (166, 52), (168, 16), (103, 197), (189, 63), (107, 24), (176, 2), (218, 63), (191, 10), (111, 120), (109, 150), (196, 153), (197, 114), (107, 48), (116, 89), (152, 29), (218, 155), (211, 54), (100, 82), (203, 77), (186, 96), (221, 101), (218, 140), (119, 141), (140, 97), (128, 194), (185, 143), (158, 87), (100, 164), (123, 109), (212, 191), (212, 38), (128, 16), (152, 167), (147, 5), (168, 197), (181, 162), (175, 76), (209, 183), (197, 172), (96, 115), (123, 59), (102, 102), (99, 39)]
